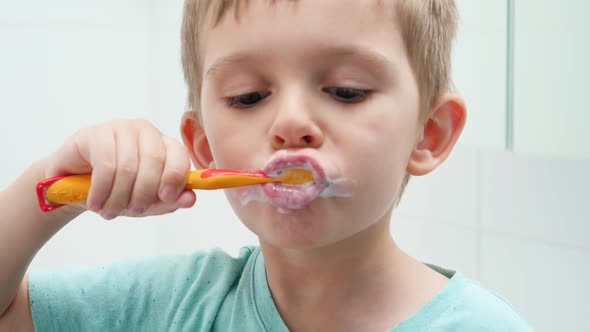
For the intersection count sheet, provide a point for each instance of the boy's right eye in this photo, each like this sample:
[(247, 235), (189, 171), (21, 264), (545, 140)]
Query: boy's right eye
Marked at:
[(247, 100)]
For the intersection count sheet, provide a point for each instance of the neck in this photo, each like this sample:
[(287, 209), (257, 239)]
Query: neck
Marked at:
[(364, 283), (350, 268)]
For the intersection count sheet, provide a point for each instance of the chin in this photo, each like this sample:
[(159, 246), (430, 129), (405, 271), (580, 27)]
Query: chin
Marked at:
[(304, 228)]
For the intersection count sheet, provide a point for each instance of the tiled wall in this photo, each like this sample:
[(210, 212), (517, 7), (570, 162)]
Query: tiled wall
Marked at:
[(520, 224)]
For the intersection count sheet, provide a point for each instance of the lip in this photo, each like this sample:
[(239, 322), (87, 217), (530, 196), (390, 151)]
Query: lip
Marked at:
[(294, 197)]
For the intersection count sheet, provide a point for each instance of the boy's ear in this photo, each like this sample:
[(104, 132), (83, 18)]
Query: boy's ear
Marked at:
[(195, 140), (441, 131)]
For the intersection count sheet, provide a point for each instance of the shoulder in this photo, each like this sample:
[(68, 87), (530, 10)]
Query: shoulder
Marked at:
[(155, 290), (475, 308), (167, 270), (206, 272), (211, 261)]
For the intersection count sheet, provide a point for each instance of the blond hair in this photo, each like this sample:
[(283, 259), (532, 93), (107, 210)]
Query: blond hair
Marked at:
[(428, 29)]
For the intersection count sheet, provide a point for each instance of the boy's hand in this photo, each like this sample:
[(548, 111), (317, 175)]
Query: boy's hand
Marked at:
[(136, 170)]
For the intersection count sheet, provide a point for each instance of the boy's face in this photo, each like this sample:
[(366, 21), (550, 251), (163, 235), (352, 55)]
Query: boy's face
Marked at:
[(329, 85)]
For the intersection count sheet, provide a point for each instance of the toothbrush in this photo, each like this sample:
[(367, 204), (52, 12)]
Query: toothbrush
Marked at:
[(60, 190)]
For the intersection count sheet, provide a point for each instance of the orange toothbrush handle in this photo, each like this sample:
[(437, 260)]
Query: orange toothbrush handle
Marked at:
[(57, 191), (70, 189)]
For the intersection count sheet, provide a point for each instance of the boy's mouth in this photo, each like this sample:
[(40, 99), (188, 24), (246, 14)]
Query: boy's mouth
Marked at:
[(294, 197)]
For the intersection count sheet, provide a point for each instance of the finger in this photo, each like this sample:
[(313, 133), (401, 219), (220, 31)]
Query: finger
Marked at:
[(101, 150), (68, 159), (186, 200), (152, 154), (125, 174), (175, 172)]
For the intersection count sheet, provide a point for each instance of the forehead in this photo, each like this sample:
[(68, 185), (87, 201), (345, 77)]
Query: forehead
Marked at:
[(213, 11), (287, 28)]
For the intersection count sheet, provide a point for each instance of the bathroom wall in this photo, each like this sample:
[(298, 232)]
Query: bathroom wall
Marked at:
[(517, 223), (516, 220)]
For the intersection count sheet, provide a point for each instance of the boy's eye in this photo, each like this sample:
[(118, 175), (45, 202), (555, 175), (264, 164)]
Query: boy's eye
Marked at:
[(247, 100), (347, 95)]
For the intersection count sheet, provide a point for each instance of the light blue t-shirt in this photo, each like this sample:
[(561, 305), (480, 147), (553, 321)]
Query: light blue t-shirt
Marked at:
[(212, 291)]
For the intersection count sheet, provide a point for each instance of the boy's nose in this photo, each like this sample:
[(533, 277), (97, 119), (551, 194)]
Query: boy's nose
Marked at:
[(294, 127)]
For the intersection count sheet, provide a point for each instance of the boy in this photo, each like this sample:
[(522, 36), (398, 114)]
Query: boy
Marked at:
[(356, 92)]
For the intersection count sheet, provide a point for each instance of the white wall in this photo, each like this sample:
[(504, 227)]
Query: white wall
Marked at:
[(479, 71), (517, 223), (64, 64), (551, 78)]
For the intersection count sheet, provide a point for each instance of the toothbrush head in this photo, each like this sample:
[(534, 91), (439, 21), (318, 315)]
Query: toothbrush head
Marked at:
[(295, 176)]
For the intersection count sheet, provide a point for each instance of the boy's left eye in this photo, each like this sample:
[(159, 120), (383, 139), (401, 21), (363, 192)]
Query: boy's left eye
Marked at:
[(347, 95)]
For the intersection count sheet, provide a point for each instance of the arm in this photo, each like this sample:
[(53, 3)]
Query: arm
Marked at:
[(131, 163), (24, 229)]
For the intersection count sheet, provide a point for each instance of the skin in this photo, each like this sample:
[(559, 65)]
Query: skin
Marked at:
[(336, 257)]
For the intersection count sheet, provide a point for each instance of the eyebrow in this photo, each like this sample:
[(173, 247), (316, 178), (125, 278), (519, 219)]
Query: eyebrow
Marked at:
[(231, 60), (375, 60), (370, 57)]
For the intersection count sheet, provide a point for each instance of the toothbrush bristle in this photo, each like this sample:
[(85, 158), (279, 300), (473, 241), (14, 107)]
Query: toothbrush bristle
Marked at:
[(296, 176)]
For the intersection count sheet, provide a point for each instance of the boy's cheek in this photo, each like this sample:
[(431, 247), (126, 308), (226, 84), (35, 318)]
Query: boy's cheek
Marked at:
[(229, 146), (237, 156)]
